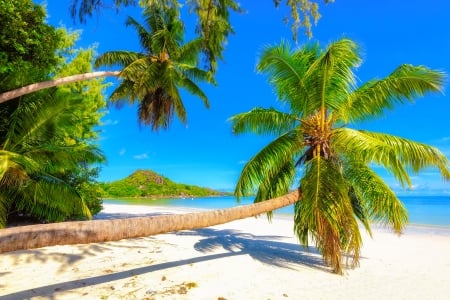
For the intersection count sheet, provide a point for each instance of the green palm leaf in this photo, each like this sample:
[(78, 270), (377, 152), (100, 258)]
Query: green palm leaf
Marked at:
[(406, 83), (263, 121), (117, 58), (395, 154), (276, 183), (378, 200), (286, 70), (36, 199), (267, 164), (325, 213), (330, 76)]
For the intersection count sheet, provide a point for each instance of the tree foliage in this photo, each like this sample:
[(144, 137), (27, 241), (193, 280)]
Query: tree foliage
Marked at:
[(145, 183), (47, 147), (153, 78), (27, 44), (316, 151), (212, 18)]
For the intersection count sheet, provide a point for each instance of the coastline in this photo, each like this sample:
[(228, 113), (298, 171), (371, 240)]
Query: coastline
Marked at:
[(245, 259)]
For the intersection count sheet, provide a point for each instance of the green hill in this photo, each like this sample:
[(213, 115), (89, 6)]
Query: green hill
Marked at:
[(148, 184)]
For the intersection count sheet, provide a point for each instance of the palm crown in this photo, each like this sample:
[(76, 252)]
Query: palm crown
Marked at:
[(152, 78), (314, 143)]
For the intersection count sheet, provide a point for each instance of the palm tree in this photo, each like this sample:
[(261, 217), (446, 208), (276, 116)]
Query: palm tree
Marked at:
[(153, 78), (316, 150), (33, 149)]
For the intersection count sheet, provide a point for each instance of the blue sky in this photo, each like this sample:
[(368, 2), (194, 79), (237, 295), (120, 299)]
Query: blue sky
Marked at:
[(206, 153)]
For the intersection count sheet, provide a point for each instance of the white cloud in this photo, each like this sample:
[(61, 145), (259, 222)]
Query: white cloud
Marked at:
[(141, 156), (122, 151)]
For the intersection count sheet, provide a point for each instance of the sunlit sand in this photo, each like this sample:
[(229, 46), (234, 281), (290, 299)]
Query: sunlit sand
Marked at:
[(246, 259)]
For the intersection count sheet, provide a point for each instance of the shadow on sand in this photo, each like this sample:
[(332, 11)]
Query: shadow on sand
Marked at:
[(266, 249)]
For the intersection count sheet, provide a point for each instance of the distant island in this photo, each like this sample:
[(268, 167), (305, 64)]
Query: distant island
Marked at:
[(148, 184)]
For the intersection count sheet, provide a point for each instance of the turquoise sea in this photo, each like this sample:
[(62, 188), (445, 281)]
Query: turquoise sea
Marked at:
[(423, 210)]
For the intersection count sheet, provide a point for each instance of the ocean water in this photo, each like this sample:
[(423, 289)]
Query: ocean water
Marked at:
[(422, 210)]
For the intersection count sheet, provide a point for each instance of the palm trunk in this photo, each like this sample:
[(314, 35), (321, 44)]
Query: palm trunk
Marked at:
[(84, 232), (6, 96)]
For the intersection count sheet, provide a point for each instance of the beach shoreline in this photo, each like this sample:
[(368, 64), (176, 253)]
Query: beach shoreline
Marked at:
[(244, 259)]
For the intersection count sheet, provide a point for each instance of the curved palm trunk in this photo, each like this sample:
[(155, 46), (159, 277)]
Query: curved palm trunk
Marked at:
[(84, 232), (28, 89)]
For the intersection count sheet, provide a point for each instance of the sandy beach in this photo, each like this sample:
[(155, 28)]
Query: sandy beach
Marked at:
[(246, 259)]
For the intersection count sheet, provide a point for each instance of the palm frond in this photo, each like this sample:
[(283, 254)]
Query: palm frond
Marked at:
[(194, 89), (144, 36), (330, 76), (267, 163), (356, 144), (177, 103), (286, 70), (325, 213), (137, 68), (377, 199), (189, 52), (33, 123), (5, 204), (360, 210), (64, 157), (14, 167), (117, 58), (146, 77), (406, 83), (414, 155), (263, 121), (166, 30), (395, 154), (193, 73), (51, 199), (123, 93), (276, 183)]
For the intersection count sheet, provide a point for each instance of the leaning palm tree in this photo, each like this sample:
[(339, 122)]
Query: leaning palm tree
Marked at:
[(153, 78), (330, 163)]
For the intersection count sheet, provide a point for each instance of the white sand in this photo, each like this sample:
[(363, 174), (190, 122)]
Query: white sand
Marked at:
[(246, 259)]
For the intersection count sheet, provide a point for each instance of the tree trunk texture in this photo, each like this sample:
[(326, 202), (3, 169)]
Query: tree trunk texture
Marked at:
[(95, 231), (34, 87)]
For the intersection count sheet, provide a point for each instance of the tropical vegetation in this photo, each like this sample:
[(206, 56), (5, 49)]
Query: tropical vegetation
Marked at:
[(212, 25), (316, 151), (153, 78), (212, 17), (26, 56), (148, 184), (47, 149)]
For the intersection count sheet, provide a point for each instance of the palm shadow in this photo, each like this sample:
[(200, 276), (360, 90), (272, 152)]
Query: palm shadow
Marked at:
[(268, 249), (264, 248)]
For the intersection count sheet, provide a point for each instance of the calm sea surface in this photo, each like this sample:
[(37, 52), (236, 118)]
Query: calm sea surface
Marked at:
[(425, 210)]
